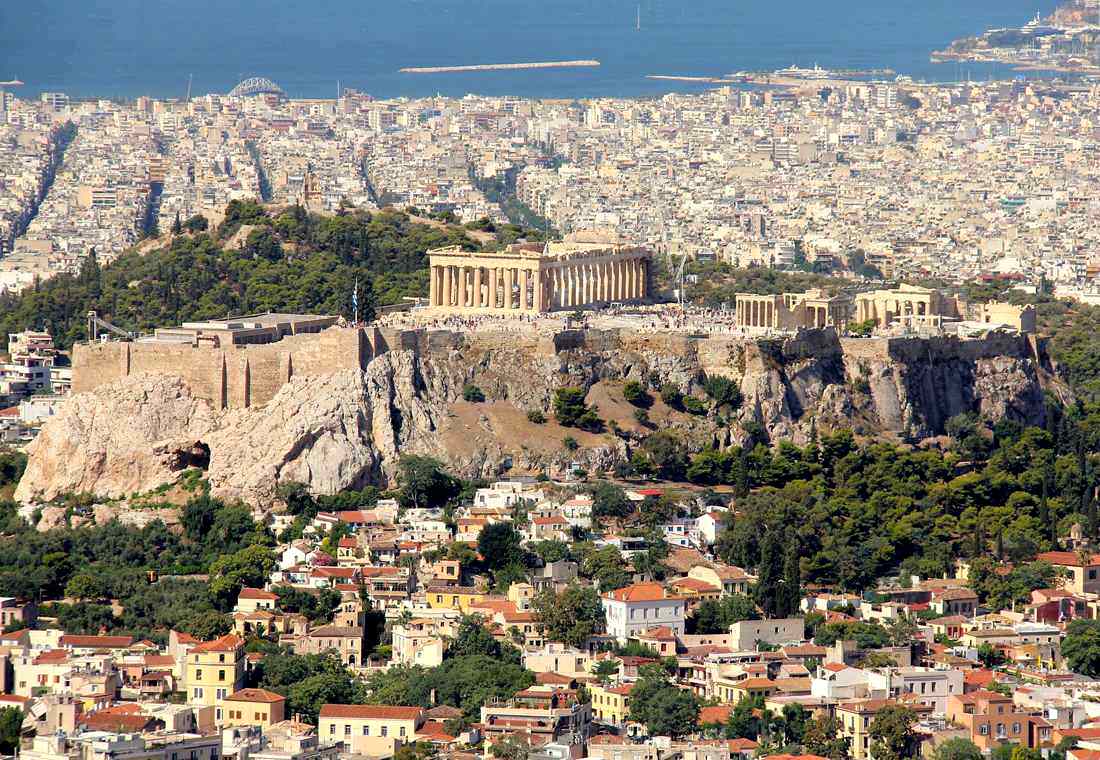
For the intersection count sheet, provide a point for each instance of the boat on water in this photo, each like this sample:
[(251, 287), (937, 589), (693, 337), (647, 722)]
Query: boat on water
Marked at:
[(815, 73)]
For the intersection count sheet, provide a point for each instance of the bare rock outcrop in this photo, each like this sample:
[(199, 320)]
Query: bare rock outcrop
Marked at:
[(124, 438), (350, 428)]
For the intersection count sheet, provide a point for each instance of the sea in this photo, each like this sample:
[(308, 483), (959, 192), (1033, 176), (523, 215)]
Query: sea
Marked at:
[(129, 48)]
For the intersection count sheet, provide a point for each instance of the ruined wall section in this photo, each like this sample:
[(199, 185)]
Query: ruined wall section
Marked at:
[(233, 377)]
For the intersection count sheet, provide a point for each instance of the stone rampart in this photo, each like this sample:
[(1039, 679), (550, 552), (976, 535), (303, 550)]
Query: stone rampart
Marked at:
[(231, 377)]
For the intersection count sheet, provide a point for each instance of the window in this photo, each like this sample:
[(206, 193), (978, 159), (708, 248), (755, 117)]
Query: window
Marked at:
[(366, 730), (402, 732), (221, 675), (198, 674), (347, 730), (198, 693), (984, 730), (1015, 728), (385, 731), (332, 728), (221, 658)]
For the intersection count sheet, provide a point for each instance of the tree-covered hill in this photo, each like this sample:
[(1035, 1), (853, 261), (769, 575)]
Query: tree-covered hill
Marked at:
[(293, 262)]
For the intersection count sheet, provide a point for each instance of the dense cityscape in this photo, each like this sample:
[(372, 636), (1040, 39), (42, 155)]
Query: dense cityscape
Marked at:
[(760, 422)]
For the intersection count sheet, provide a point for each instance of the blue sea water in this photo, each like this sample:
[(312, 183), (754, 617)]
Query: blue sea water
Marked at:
[(127, 48)]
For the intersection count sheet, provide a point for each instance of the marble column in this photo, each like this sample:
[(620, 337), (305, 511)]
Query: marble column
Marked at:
[(477, 288), (524, 280), (446, 286)]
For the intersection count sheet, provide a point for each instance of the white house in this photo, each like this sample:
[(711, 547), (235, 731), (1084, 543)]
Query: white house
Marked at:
[(932, 687), (710, 525), (835, 681), (637, 608)]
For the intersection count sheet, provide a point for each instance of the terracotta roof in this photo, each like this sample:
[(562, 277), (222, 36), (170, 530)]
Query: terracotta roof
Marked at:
[(716, 714), (741, 745), (257, 593), (51, 656), (370, 711), (256, 695), (640, 592), (159, 660), (226, 643), (694, 584), (1067, 559), (99, 642)]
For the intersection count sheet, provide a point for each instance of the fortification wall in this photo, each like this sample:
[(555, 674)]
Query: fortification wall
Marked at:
[(231, 377)]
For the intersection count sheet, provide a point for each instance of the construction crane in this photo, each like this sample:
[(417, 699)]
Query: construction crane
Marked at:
[(95, 323)]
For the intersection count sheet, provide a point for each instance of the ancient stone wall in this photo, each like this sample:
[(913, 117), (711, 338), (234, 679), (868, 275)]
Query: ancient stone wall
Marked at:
[(232, 377)]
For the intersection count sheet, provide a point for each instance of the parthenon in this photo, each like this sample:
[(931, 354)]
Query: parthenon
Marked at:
[(584, 269)]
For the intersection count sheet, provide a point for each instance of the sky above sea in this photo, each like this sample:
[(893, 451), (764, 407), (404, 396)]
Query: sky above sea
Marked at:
[(128, 48)]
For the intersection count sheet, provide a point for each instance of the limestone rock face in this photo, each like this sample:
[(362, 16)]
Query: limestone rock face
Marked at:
[(350, 428), (124, 438), (315, 431)]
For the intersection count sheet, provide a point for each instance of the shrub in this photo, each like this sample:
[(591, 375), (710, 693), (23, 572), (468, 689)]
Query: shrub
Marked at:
[(723, 390), (536, 417), (693, 405), (472, 394), (641, 416), (634, 393), (570, 443), (672, 396)]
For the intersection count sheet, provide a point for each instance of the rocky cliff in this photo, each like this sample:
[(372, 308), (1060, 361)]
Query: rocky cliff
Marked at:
[(348, 429)]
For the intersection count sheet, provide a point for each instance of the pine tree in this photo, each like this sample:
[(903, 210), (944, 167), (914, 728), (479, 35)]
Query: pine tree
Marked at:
[(790, 591), (177, 225)]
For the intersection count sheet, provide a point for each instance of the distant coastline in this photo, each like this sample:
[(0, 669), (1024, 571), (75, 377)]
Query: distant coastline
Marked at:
[(498, 67)]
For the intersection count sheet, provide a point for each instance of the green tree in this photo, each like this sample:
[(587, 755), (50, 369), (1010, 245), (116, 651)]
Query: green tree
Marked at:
[(663, 708), (571, 616), (424, 483), (635, 393), (472, 393), (473, 639), (823, 738), (717, 616), (609, 500), (957, 748), (892, 735), (11, 728), (1081, 647), (230, 573), (500, 545), (605, 670)]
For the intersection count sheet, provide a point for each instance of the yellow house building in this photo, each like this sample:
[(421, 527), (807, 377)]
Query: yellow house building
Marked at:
[(610, 704), (254, 707), (215, 669), (457, 598), (375, 730)]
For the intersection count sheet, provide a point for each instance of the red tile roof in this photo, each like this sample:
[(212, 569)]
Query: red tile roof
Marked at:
[(257, 593), (98, 642), (370, 711), (226, 643), (256, 695), (640, 592)]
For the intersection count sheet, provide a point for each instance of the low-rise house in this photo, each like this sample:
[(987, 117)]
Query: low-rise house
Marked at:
[(348, 643), (541, 714), (254, 707), (639, 607), (254, 599), (855, 717), (610, 704), (375, 730), (993, 718)]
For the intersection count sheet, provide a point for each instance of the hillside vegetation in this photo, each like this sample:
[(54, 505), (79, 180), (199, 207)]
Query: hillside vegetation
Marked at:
[(293, 262)]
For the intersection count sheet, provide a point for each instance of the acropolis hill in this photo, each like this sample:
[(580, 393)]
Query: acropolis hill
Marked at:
[(336, 408)]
